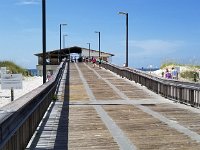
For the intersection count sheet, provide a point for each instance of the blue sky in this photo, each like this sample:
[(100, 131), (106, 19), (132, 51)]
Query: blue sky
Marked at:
[(159, 30)]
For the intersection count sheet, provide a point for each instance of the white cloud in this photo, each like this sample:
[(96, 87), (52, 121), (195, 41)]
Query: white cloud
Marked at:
[(155, 47), (28, 2)]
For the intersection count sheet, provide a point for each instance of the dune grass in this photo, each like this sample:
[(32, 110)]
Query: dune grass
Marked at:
[(13, 68), (170, 63), (174, 63)]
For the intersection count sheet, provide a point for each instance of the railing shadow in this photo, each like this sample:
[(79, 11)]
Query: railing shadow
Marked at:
[(41, 128), (61, 128), (61, 141)]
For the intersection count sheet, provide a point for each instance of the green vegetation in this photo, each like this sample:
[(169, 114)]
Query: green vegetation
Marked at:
[(175, 63), (189, 74), (54, 97), (13, 68), (169, 63), (197, 66)]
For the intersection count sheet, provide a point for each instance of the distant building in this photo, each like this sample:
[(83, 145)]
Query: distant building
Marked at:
[(73, 53)]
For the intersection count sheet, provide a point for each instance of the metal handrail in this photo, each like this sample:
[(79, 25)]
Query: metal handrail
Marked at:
[(182, 91)]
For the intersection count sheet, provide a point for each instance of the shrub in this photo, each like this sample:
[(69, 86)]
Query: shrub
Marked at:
[(54, 97), (189, 74), (13, 67)]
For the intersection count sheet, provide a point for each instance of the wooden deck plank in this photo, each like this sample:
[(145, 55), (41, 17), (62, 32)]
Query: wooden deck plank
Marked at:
[(87, 131), (186, 117), (147, 132)]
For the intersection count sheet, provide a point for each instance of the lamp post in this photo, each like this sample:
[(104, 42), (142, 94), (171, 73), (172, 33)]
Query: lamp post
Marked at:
[(64, 40), (44, 38), (60, 59), (99, 43), (123, 13), (89, 49)]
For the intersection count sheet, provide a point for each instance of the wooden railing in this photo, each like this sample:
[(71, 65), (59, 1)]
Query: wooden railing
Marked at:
[(19, 119), (183, 92)]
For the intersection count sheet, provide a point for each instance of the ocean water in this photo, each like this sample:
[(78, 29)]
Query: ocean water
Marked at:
[(32, 72), (148, 69)]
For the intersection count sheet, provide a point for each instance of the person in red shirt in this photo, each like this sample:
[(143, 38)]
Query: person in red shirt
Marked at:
[(93, 61)]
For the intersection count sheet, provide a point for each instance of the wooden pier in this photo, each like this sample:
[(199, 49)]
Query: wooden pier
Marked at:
[(98, 110)]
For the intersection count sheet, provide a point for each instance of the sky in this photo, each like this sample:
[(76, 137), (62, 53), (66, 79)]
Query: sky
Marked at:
[(159, 30)]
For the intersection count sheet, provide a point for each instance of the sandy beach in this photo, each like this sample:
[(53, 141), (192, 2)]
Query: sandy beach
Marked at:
[(29, 83)]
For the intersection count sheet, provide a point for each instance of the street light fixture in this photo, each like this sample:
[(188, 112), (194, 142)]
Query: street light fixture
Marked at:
[(59, 54), (89, 49), (99, 43), (123, 13)]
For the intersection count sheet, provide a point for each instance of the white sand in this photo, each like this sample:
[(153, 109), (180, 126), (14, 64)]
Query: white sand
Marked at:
[(29, 83)]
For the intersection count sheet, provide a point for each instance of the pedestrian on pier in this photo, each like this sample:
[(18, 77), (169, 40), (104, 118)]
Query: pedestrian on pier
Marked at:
[(174, 73), (196, 76), (168, 74), (93, 61), (163, 74), (48, 76)]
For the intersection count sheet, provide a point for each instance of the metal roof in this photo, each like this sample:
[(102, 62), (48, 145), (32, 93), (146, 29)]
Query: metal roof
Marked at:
[(74, 49)]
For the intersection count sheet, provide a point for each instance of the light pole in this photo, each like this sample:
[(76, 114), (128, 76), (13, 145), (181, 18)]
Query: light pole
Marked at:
[(64, 40), (123, 13), (44, 38), (60, 59), (99, 43), (89, 49)]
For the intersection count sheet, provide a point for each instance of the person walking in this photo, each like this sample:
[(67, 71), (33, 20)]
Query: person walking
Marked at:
[(168, 74), (48, 76), (93, 62), (174, 73)]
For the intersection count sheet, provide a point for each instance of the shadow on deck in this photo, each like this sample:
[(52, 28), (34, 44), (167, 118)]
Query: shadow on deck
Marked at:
[(52, 133)]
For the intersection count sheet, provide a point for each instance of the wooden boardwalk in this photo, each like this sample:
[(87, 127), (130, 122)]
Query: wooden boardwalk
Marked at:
[(98, 110)]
